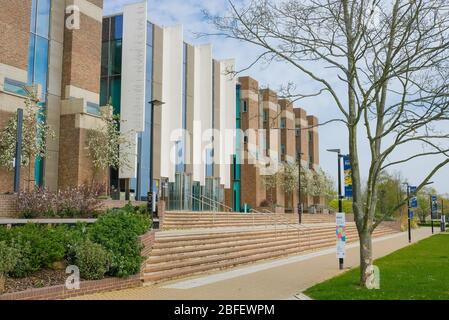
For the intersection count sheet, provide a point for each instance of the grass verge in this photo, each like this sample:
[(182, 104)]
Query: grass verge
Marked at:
[(417, 272)]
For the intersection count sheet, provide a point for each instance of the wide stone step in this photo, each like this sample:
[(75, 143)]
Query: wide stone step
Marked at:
[(229, 261), (173, 239), (266, 236), (189, 251)]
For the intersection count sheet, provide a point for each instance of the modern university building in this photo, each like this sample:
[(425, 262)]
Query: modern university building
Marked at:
[(176, 102)]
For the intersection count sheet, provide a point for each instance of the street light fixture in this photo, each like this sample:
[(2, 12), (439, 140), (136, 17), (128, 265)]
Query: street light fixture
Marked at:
[(153, 103), (409, 220)]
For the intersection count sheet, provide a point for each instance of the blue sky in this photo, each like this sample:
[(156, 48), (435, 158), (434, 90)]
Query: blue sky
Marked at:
[(189, 14)]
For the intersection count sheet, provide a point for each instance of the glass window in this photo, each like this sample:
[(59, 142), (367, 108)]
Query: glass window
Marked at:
[(115, 88), (104, 91), (116, 57), (43, 18), (93, 108), (283, 123), (33, 16), (209, 163), (298, 132), (104, 58), (41, 64), (245, 106), (265, 115), (282, 149), (150, 34), (14, 86), (31, 49), (117, 27), (106, 29)]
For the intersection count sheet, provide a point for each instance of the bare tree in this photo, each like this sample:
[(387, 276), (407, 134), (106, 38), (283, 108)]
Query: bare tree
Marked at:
[(390, 63)]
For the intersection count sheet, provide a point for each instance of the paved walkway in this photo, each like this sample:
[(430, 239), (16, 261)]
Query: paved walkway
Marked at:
[(275, 279)]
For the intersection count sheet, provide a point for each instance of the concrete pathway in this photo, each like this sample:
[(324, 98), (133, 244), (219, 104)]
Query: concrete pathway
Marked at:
[(275, 279)]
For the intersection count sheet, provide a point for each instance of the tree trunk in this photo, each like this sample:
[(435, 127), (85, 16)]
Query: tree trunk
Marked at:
[(2, 283), (366, 256)]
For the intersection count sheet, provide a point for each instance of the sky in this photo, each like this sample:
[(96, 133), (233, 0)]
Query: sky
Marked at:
[(189, 13)]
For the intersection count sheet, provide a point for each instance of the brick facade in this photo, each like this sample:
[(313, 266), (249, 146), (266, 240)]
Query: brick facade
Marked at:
[(73, 72), (262, 109), (82, 56), (8, 206), (75, 165), (14, 32)]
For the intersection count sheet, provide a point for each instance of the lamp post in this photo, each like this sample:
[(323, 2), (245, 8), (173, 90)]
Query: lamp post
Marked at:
[(443, 217), (18, 153), (152, 103), (409, 218), (431, 212), (340, 197), (408, 213), (299, 188)]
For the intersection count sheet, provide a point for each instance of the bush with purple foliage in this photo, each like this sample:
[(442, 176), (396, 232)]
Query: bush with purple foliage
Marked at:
[(81, 201)]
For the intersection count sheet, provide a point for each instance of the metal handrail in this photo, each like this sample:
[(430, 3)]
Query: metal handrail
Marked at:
[(218, 202), (204, 203), (274, 218)]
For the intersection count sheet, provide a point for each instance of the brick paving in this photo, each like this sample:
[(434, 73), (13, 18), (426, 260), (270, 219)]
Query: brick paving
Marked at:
[(280, 282)]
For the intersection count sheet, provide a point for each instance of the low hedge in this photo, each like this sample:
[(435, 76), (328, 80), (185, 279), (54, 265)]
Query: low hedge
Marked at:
[(110, 246)]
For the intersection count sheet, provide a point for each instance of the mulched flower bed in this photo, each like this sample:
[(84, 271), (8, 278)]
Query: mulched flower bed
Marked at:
[(40, 279)]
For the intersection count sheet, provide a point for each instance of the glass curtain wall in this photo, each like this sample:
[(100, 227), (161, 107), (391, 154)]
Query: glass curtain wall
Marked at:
[(180, 192), (111, 78), (38, 64), (236, 203)]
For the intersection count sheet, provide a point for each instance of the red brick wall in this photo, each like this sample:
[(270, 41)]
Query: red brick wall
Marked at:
[(8, 206), (75, 165), (82, 56), (86, 287), (14, 32)]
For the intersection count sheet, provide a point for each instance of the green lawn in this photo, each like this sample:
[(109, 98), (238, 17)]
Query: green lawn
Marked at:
[(419, 271)]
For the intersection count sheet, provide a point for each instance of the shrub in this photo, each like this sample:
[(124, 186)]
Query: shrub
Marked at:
[(92, 260), (265, 203), (118, 233), (79, 201), (40, 246), (71, 202), (39, 202), (8, 260)]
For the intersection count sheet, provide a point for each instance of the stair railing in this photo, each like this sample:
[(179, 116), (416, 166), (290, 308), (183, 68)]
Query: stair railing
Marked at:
[(302, 229), (274, 218)]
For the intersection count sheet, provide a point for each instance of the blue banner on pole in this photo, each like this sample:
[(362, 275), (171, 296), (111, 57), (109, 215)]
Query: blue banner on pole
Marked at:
[(348, 176), (434, 207), (414, 203)]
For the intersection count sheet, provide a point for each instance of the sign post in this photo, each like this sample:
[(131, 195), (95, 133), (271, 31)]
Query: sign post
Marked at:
[(443, 217), (341, 237), (433, 210), (412, 204)]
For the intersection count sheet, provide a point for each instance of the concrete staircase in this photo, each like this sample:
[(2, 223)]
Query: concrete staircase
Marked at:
[(187, 220), (183, 253)]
